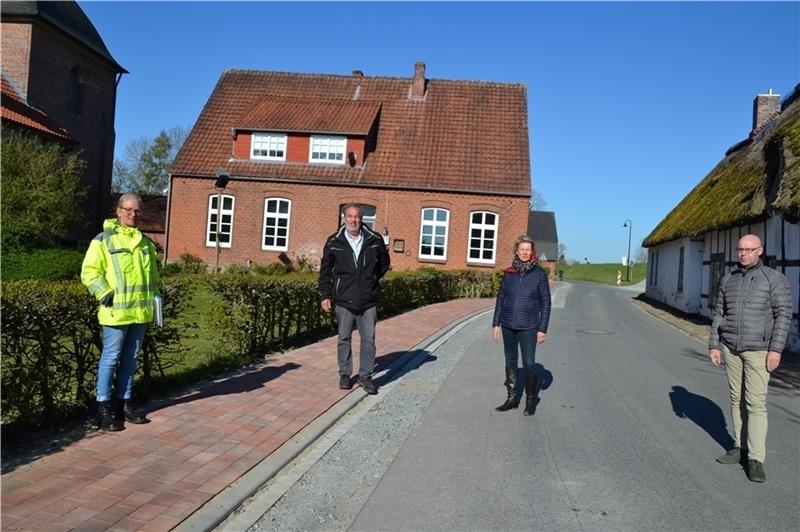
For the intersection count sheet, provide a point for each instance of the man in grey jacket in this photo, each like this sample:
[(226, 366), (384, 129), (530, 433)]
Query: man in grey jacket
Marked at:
[(750, 326)]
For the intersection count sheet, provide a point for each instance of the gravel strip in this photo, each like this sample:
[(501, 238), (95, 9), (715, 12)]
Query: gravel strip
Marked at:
[(330, 494)]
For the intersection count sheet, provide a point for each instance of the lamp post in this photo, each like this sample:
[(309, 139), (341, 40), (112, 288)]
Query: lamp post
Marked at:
[(629, 224), (219, 184)]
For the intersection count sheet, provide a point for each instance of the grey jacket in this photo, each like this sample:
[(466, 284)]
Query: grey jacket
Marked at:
[(753, 310)]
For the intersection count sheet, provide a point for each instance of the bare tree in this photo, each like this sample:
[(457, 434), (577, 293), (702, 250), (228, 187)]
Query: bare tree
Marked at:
[(537, 202), (144, 168)]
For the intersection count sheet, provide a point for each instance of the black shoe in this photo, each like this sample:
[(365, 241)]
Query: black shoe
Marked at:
[(368, 385), (106, 420), (133, 415), (755, 471), (734, 456), (344, 382)]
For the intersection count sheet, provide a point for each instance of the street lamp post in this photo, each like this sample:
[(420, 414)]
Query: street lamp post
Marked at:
[(219, 184), (629, 224)]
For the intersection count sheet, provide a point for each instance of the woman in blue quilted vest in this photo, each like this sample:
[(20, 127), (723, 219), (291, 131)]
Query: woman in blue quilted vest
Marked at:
[(521, 316)]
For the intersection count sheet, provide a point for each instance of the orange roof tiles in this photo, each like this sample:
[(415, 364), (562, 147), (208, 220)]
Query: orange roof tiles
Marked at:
[(14, 109), (467, 136)]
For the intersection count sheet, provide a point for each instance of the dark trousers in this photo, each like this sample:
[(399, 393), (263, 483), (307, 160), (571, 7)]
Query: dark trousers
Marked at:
[(365, 321), (524, 342)]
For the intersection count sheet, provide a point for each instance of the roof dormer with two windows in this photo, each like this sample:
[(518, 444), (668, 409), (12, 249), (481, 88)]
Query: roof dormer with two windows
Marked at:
[(311, 131)]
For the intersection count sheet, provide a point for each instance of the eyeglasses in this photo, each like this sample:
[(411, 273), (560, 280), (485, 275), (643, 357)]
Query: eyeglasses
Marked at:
[(747, 250), (130, 210)]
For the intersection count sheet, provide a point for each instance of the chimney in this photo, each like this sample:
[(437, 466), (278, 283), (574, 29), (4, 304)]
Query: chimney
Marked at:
[(418, 83), (764, 107), (358, 75)]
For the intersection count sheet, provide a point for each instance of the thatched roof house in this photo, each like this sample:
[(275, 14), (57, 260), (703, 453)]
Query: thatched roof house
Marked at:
[(758, 177)]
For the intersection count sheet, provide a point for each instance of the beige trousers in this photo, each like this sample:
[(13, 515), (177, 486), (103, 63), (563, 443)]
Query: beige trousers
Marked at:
[(748, 379)]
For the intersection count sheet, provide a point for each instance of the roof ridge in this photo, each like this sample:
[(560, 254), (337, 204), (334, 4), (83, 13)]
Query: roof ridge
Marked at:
[(365, 76)]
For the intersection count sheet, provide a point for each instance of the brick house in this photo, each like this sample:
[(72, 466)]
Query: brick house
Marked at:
[(58, 67), (441, 168)]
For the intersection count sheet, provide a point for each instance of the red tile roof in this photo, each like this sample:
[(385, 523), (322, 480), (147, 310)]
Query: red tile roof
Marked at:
[(16, 110), (311, 115), (462, 136)]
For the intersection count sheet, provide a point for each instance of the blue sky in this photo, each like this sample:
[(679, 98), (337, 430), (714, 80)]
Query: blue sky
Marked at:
[(630, 104)]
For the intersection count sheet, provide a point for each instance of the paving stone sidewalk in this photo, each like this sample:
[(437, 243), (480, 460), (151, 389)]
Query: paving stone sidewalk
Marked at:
[(153, 476)]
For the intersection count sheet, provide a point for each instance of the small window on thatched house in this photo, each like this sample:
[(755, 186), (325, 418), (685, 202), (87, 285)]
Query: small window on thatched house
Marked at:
[(717, 271), (680, 270)]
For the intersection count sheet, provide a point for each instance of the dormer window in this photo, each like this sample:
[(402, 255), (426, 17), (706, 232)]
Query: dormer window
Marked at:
[(270, 146), (327, 149)]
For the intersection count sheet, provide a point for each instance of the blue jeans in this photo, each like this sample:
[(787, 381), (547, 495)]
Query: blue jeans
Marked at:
[(120, 344), (525, 341)]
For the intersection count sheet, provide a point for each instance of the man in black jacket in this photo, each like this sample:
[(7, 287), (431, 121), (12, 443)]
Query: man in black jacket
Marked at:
[(353, 260), (750, 326)]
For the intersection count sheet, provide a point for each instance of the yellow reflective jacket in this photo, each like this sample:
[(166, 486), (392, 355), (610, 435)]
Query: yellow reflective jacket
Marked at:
[(122, 260)]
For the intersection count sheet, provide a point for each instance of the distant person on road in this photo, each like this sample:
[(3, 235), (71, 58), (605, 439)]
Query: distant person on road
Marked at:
[(120, 270), (353, 261), (750, 327), (521, 316)]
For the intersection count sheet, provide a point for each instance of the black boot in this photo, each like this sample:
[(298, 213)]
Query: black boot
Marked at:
[(132, 415), (106, 420), (531, 394), (511, 388)]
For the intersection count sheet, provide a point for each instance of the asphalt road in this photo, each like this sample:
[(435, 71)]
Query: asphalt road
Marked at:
[(632, 416)]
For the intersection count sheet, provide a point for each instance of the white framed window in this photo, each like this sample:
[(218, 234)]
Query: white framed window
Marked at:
[(433, 233), (482, 243), (324, 149), (270, 146), (277, 212), (225, 217)]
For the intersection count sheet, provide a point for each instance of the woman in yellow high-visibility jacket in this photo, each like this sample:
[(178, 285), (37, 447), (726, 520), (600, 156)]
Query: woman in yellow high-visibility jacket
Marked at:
[(121, 270)]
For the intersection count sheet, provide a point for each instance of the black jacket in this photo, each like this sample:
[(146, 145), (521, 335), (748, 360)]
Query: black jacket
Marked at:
[(350, 286)]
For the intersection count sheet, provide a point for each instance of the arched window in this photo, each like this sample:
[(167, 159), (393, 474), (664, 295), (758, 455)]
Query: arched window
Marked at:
[(225, 217), (277, 212), (482, 243), (433, 233), (75, 92)]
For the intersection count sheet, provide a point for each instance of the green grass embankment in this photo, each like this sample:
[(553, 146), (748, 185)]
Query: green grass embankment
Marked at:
[(603, 273)]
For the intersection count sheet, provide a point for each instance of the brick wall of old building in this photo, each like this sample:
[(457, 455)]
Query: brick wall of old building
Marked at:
[(315, 215), (16, 46), (43, 61)]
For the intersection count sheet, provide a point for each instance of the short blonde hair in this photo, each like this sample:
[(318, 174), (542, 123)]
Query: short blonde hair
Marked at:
[(125, 197), (524, 238)]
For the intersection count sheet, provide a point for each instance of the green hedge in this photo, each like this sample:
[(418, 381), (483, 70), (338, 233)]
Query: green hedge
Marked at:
[(51, 345), (51, 340), (49, 264)]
